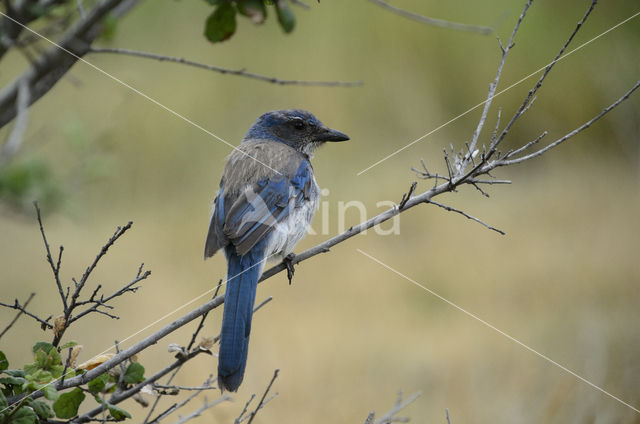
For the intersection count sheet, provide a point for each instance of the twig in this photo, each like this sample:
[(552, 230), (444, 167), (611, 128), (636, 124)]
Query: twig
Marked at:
[(264, 395), (187, 388), (173, 408), (538, 84), (203, 408), (572, 133), (55, 268), (241, 417), (432, 21), (237, 72), (407, 196), (390, 416), (301, 4), (496, 80), (79, 285), (18, 315), (466, 215), (16, 305), (194, 336)]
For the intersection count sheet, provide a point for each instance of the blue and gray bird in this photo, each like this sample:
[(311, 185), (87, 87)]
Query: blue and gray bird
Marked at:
[(268, 195)]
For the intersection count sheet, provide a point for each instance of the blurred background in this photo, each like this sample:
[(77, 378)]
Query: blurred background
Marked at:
[(348, 334)]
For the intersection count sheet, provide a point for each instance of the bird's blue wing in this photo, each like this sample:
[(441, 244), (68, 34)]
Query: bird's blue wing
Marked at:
[(262, 206), (215, 237)]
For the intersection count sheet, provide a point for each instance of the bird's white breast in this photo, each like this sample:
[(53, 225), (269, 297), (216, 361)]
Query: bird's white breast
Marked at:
[(288, 232)]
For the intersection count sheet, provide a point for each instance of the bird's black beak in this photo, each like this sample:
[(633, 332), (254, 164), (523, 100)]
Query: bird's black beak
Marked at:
[(329, 134)]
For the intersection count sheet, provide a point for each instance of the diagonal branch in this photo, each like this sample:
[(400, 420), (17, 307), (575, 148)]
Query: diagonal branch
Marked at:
[(54, 63)]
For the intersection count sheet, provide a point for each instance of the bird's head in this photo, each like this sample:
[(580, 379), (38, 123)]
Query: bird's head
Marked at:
[(296, 128)]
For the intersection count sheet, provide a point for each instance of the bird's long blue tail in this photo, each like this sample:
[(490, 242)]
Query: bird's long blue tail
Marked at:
[(242, 281)]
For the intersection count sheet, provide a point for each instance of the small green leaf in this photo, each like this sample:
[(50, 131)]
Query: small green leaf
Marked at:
[(67, 404), (15, 373), (4, 362), (12, 381), (285, 16), (50, 392), (134, 373), (44, 346), (253, 9), (3, 401), (221, 24), (42, 408), (69, 344), (99, 383), (109, 28), (118, 414), (24, 415)]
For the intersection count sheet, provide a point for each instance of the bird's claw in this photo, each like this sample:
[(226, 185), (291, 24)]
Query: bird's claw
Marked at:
[(288, 261)]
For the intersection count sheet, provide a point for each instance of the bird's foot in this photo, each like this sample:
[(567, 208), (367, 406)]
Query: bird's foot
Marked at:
[(288, 261)]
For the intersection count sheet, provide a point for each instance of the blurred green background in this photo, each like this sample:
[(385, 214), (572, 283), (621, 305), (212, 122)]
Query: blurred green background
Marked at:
[(348, 334)]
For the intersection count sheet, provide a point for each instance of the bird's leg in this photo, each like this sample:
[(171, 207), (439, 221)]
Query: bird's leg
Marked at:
[(288, 261)]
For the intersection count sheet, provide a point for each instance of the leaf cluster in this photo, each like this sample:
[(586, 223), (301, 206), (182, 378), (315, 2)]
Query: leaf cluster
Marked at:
[(43, 374), (221, 23)]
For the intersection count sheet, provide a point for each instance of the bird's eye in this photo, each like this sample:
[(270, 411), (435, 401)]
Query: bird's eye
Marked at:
[(298, 124)]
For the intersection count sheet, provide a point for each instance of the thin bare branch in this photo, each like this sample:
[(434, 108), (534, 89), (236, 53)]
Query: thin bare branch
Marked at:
[(194, 336), (538, 84), (18, 315), (572, 133), (432, 21), (391, 415), (466, 215), (55, 267), (44, 323), (207, 405), (496, 80), (264, 396), (237, 72)]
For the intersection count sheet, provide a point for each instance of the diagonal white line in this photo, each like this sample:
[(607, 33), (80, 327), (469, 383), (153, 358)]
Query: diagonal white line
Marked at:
[(491, 98), (263, 261), (513, 339), (140, 93)]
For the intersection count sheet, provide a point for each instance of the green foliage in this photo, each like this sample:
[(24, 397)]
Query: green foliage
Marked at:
[(23, 182), (285, 16), (24, 415), (41, 408), (134, 373), (221, 23), (109, 28), (116, 413), (4, 363), (42, 374), (99, 383), (68, 403)]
